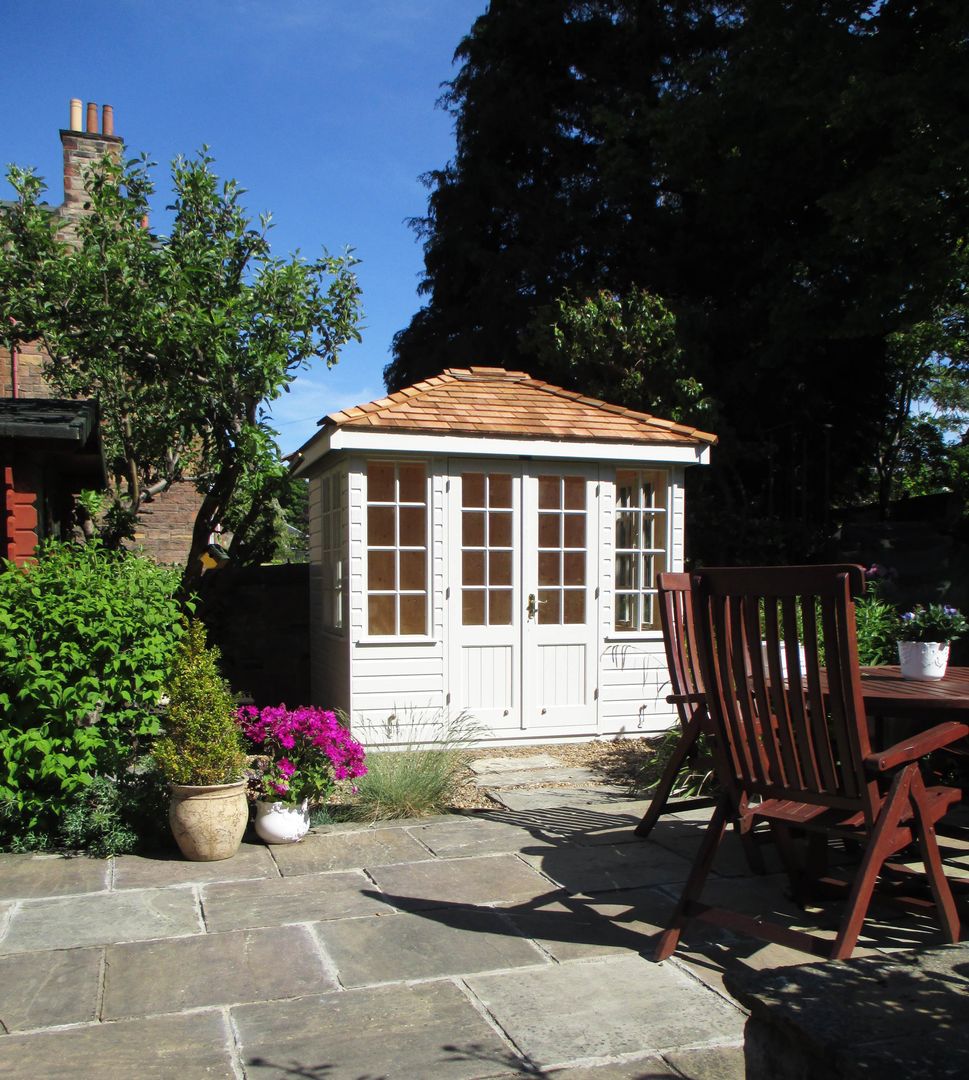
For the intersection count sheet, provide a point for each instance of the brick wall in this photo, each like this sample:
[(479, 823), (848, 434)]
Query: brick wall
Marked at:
[(30, 376), (165, 526), (20, 483)]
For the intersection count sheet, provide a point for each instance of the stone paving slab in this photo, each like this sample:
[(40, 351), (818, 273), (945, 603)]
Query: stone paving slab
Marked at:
[(579, 825), (609, 798), (482, 836), (521, 777), (502, 765), (393, 948), (321, 852), (311, 898), (427, 1030), (723, 1063), (594, 869), (49, 988), (577, 1012), (212, 969), (486, 879), (190, 1047), (23, 876), (101, 918), (143, 872)]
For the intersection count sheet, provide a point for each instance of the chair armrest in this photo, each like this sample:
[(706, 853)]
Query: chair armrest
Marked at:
[(917, 746), (686, 699)]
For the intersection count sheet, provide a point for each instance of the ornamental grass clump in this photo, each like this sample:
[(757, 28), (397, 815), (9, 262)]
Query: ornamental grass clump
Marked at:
[(202, 745), (307, 751), (932, 622)]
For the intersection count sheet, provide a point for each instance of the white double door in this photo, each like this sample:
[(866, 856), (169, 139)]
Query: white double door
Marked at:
[(523, 629)]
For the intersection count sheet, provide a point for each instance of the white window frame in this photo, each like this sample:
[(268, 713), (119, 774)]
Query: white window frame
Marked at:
[(641, 590), (332, 555)]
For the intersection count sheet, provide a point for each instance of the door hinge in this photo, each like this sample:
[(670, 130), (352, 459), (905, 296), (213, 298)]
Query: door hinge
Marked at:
[(447, 592), (595, 694), (447, 484), (447, 698), (598, 489)]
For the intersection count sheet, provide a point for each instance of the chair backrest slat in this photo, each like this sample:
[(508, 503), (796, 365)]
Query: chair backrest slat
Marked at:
[(679, 639), (763, 635)]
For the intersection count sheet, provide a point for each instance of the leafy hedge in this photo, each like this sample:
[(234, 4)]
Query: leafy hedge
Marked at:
[(87, 637)]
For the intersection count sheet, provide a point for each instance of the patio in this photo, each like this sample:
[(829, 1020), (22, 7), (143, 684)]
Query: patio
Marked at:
[(503, 944)]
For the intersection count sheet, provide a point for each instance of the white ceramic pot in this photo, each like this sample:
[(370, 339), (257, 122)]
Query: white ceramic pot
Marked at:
[(282, 823), (923, 659)]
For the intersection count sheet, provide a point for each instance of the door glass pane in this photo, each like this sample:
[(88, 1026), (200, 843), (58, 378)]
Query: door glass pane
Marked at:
[(499, 491), (625, 488), (499, 568), (473, 568), (413, 483), (381, 614), (412, 526), (626, 611), (472, 489), (548, 568), (626, 572), (549, 530), (627, 530), (574, 568), (499, 530), (499, 607), (472, 529), (549, 608), (380, 526), (380, 481), (413, 614), (380, 570), (549, 493), (574, 493), (413, 570), (575, 530), (473, 607), (574, 606)]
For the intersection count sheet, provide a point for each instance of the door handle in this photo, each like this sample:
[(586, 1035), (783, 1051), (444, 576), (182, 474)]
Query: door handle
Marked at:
[(533, 605)]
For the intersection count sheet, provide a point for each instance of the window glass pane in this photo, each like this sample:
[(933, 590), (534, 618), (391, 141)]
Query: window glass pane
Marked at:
[(472, 489), (627, 530), (626, 572), (413, 614), (380, 526), (548, 568), (499, 491), (574, 493), (549, 493), (626, 486), (473, 568), (626, 611), (472, 529), (499, 607), (574, 607), (413, 570), (574, 569), (380, 481), (473, 607), (650, 620), (549, 609), (549, 530), (654, 530), (413, 521), (575, 530), (499, 568), (652, 565), (654, 489), (499, 530), (413, 483), (380, 570), (382, 615)]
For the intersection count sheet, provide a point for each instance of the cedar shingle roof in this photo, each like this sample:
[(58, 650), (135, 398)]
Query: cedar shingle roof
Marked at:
[(496, 403)]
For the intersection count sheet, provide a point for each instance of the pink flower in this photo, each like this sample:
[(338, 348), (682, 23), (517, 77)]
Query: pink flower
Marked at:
[(286, 767), (279, 788)]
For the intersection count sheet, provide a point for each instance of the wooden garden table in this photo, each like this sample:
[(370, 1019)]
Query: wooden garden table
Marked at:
[(887, 694)]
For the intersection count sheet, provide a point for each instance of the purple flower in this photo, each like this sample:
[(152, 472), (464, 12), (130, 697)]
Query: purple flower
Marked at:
[(286, 767)]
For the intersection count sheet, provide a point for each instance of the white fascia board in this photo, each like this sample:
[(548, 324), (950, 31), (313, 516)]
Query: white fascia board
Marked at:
[(311, 452), (468, 446)]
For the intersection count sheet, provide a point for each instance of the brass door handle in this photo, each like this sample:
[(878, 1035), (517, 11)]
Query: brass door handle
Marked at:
[(533, 605)]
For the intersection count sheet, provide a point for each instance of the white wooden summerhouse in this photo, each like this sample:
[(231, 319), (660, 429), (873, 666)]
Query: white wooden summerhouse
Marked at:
[(486, 544)]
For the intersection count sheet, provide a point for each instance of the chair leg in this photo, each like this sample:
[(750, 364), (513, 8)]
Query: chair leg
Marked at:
[(670, 937), (932, 861), (877, 851), (662, 794)]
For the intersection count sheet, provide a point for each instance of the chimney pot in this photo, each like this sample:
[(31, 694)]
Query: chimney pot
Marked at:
[(92, 118), (75, 124), (107, 120)]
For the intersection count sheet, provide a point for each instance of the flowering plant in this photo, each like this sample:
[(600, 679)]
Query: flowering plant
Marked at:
[(308, 751), (937, 622)]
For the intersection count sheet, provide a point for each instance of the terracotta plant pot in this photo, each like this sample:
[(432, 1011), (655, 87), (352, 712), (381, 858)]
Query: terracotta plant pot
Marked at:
[(208, 822), (923, 659)]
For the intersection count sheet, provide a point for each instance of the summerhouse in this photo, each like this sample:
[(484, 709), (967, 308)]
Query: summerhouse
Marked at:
[(485, 546)]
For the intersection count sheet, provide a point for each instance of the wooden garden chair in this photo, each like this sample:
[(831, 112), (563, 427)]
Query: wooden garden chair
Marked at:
[(793, 757)]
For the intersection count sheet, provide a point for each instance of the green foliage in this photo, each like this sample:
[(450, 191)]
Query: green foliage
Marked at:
[(94, 822), (694, 779), (86, 640), (417, 779), (202, 744), (876, 623), (182, 338), (932, 622)]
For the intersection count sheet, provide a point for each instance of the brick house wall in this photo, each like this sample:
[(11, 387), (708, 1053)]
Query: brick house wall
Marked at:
[(165, 531)]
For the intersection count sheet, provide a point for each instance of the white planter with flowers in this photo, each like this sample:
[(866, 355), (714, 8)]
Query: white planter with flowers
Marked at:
[(925, 634), (306, 752)]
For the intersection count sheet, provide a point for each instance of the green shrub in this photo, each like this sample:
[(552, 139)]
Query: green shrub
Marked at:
[(202, 744), (876, 624), (417, 779), (87, 637)]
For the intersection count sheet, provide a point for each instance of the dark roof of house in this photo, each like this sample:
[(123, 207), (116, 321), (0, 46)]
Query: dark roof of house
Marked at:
[(51, 420)]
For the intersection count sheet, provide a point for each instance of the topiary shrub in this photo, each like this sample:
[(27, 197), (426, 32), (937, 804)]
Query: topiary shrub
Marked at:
[(87, 638), (202, 744)]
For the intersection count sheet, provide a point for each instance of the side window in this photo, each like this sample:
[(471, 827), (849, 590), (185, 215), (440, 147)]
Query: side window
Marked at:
[(396, 548), (642, 532)]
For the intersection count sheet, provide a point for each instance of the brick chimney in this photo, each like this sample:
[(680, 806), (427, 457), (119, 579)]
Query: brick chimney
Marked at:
[(83, 148)]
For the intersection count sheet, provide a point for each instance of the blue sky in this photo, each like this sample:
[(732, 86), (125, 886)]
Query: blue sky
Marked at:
[(324, 111)]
